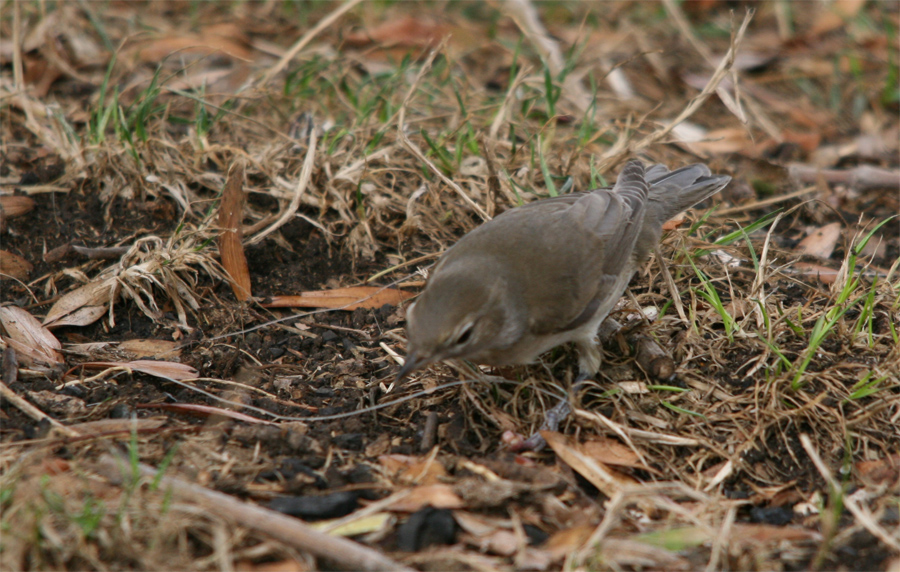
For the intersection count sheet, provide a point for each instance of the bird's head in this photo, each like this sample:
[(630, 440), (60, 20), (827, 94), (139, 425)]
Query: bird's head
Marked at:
[(464, 315)]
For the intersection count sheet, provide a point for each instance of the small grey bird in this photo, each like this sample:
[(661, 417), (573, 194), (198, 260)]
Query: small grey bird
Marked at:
[(548, 272)]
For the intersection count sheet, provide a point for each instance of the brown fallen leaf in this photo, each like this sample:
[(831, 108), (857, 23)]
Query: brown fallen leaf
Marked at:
[(151, 348), (502, 542), (480, 524), (437, 496), (388, 42), (416, 470), (12, 206), (624, 553), (808, 142), (52, 466), (97, 293), (163, 369), (231, 248), (880, 471), (566, 541), (611, 452), (818, 272), (607, 480), (289, 565), (674, 223), (220, 40), (40, 73), (14, 265), (207, 411), (35, 344), (406, 31), (27, 356), (342, 298), (84, 316), (107, 426), (834, 15), (754, 534), (724, 141), (821, 242)]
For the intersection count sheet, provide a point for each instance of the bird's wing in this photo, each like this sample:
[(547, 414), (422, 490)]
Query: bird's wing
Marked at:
[(587, 245)]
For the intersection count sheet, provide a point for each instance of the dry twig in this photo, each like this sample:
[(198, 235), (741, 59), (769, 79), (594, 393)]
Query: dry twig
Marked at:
[(345, 553)]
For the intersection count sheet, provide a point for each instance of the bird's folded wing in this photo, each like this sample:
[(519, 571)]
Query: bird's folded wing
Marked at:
[(595, 237)]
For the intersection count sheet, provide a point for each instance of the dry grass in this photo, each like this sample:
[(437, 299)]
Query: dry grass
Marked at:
[(394, 130)]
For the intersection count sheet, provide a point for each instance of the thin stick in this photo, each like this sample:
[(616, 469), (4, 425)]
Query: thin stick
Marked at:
[(766, 202), (346, 553), (306, 39), (670, 284), (302, 184), (417, 260), (30, 410)]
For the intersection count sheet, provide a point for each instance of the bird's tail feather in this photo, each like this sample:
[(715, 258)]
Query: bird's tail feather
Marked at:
[(674, 191)]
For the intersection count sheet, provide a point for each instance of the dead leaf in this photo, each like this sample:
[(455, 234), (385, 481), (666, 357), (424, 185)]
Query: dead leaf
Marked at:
[(222, 40), (818, 272), (231, 248), (489, 493), (624, 553), (881, 471), (834, 14), (502, 542), (771, 534), (52, 466), (40, 73), (633, 387), (343, 298), (821, 242), (674, 223), (414, 470), (106, 426), (378, 522), (437, 496), (479, 524), (674, 538), (209, 411), (84, 316), (14, 265), (151, 348), (808, 142), (289, 565), (163, 369), (567, 541), (12, 206), (406, 31), (97, 293), (31, 340), (723, 141), (28, 356), (611, 452), (606, 479)]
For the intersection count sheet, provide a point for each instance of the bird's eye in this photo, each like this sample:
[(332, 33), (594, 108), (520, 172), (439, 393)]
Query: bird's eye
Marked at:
[(464, 336)]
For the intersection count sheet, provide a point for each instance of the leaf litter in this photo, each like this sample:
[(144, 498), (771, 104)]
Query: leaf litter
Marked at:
[(381, 135)]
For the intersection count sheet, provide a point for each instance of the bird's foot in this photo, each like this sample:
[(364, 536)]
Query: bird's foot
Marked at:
[(552, 419), (551, 423)]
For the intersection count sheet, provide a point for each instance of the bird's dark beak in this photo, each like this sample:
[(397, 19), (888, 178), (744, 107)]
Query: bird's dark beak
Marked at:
[(412, 363)]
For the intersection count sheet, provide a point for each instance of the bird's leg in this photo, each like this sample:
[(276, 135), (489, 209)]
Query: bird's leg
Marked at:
[(589, 359)]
